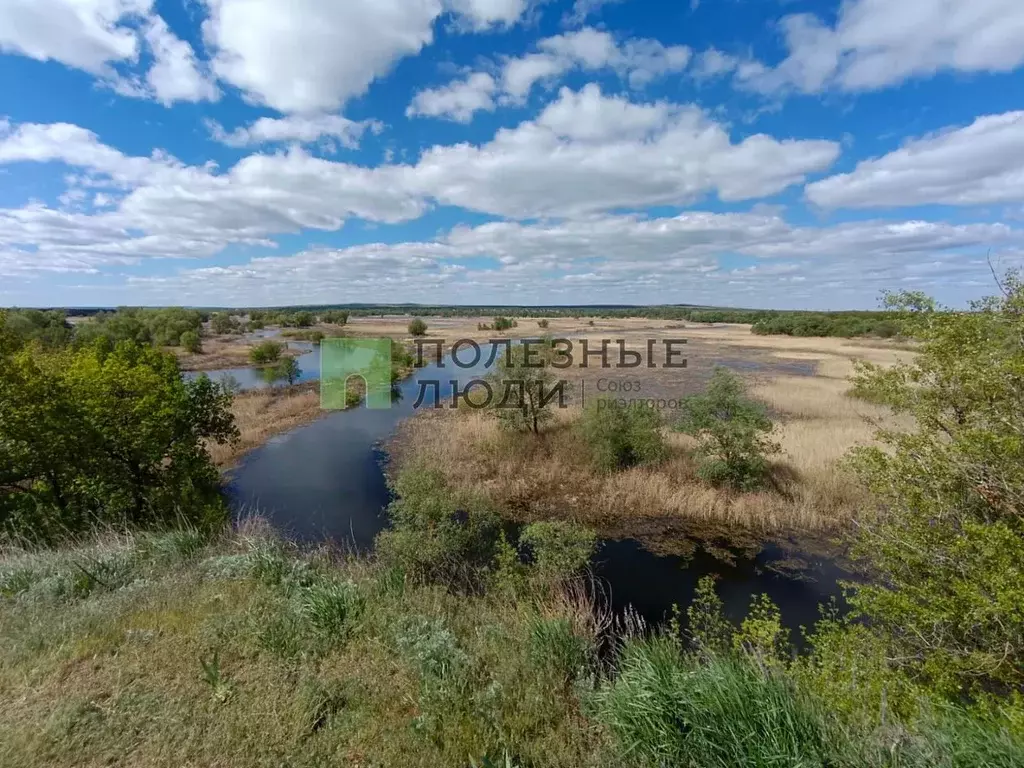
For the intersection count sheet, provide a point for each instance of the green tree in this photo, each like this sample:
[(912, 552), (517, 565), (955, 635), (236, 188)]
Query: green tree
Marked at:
[(100, 435), (334, 317), (526, 379), (733, 433), (222, 322), (191, 342), (285, 369), (417, 327), (946, 540), (50, 328), (303, 319), (268, 351), (502, 323)]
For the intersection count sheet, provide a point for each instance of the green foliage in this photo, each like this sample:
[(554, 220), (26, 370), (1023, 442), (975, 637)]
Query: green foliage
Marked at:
[(709, 630), (842, 324), (665, 708), (543, 323), (522, 384), (503, 323), (191, 342), (732, 431), (334, 317), (947, 537), (761, 634), (49, 328), (160, 327), (556, 647), (417, 327), (332, 607), (268, 351), (560, 548), (433, 536), (302, 319), (622, 436), (112, 436), (223, 322), (285, 369)]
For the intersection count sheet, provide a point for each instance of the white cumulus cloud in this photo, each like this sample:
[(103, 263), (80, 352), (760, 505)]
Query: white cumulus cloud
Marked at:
[(879, 43), (312, 56), (979, 164)]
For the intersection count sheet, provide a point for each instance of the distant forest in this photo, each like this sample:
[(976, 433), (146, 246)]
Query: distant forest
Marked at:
[(847, 323)]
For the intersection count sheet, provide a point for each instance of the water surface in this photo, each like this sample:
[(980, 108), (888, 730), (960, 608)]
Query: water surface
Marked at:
[(325, 481)]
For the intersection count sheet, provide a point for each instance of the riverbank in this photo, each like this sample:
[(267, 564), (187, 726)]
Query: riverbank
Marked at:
[(262, 414)]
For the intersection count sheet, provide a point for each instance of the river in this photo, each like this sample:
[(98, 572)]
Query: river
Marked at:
[(325, 481)]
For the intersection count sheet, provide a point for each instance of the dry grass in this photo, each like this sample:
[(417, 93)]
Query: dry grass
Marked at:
[(551, 476), (221, 352), (262, 414), (813, 495)]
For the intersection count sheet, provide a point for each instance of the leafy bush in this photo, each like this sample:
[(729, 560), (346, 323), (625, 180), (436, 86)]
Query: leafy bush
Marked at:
[(732, 431), (417, 327), (560, 548), (543, 323), (620, 436), (503, 323), (191, 342), (434, 537), (285, 369), (268, 351), (160, 327), (49, 328), (334, 317)]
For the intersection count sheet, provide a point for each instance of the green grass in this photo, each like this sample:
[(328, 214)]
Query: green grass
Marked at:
[(244, 651), (173, 649)]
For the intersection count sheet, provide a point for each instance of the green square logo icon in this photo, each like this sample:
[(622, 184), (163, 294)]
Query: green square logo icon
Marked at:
[(346, 361)]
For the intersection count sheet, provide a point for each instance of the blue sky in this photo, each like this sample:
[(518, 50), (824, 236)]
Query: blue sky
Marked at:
[(759, 153)]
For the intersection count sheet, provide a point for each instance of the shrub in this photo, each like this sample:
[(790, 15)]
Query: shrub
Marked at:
[(560, 548), (191, 342), (285, 369), (556, 648), (268, 351), (621, 436), (503, 323), (732, 431), (417, 327), (434, 537), (543, 323)]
